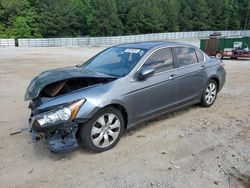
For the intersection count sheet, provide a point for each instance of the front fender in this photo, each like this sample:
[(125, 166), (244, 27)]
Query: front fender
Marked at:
[(90, 108)]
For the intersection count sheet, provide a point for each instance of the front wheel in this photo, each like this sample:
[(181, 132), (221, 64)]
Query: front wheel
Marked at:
[(103, 131), (209, 94)]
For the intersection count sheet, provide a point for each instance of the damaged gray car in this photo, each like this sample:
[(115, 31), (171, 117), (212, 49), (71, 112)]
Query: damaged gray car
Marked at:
[(124, 85)]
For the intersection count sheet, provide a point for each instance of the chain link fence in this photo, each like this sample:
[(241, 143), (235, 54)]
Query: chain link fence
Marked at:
[(97, 41), (7, 42)]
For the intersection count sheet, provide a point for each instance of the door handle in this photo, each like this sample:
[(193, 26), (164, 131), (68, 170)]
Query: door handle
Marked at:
[(172, 76), (203, 67)]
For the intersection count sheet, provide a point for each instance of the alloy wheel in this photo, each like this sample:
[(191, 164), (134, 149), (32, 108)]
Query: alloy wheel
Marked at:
[(210, 94), (105, 130)]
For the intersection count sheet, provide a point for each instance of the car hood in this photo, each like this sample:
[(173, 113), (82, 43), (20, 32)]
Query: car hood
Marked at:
[(57, 75)]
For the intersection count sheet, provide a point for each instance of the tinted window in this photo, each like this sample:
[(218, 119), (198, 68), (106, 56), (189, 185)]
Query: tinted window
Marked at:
[(161, 60), (185, 56), (200, 56)]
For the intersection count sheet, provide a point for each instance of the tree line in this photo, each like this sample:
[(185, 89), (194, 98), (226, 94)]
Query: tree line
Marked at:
[(74, 18)]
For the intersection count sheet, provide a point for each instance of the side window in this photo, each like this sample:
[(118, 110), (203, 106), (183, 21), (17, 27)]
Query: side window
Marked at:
[(200, 56), (185, 56), (161, 60)]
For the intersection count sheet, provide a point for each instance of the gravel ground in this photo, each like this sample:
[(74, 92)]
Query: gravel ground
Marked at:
[(192, 147)]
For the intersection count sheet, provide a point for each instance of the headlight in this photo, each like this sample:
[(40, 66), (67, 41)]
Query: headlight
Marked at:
[(64, 114)]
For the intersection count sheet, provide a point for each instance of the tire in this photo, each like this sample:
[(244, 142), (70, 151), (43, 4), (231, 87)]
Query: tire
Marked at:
[(219, 55), (210, 94), (103, 131)]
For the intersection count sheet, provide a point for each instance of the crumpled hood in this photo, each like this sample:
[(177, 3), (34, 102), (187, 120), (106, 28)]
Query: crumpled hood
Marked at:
[(56, 75)]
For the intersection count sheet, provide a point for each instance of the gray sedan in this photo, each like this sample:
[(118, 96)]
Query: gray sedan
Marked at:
[(124, 85)]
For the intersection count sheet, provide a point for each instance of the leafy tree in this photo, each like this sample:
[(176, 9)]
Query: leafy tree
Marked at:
[(3, 32), (145, 17), (244, 13), (14, 13), (219, 17), (225, 16), (234, 18), (72, 18), (21, 27), (104, 18), (185, 17), (123, 8), (200, 15), (60, 18), (171, 11)]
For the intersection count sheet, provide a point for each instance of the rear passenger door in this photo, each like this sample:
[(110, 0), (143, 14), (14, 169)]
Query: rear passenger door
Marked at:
[(191, 74)]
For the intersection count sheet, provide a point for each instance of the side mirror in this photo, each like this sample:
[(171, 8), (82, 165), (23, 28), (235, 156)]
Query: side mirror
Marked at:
[(146, 72)]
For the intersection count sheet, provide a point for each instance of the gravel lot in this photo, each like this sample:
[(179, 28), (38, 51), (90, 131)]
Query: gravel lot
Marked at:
[(193, 147)]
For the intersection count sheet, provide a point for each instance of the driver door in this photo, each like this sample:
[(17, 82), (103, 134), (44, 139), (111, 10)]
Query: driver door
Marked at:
[(157, 93)]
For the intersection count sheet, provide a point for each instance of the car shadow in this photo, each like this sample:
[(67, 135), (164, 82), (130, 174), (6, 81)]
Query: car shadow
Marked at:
[(41, 150), (151, 122), (140, 126)]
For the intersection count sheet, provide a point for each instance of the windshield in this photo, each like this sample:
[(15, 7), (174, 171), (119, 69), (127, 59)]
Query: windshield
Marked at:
[(115, 61)]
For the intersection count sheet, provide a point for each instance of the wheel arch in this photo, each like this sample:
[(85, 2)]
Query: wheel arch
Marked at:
[(122, 109), (216, 79)]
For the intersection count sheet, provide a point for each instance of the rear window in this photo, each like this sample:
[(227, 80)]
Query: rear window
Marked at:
[(185, 56)]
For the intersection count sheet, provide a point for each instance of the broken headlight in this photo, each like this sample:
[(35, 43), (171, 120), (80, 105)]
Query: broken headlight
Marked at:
[(62, 114)]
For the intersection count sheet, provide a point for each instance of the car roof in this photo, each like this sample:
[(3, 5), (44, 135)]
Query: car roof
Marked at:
[(152, 44)]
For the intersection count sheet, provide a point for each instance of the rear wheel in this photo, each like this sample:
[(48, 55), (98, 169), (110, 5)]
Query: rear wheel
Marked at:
[(209, 94), (103, 131)]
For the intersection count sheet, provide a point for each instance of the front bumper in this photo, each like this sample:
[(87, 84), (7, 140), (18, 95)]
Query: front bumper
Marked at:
[(60, 137), (63, 141)]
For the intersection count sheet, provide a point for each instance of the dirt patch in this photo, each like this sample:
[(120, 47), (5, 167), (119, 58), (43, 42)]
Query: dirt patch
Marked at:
[(193, 147)]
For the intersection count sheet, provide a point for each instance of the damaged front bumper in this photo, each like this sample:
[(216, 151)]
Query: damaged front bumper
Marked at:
[(58, 126), (60, 138)]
